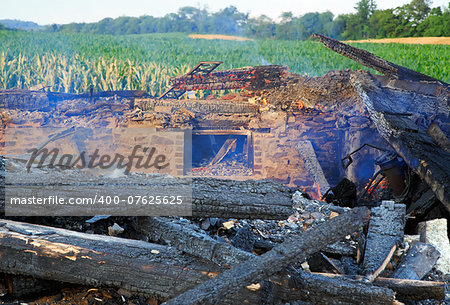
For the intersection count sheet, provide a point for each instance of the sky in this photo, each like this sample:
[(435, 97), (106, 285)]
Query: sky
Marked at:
[(65, 11)]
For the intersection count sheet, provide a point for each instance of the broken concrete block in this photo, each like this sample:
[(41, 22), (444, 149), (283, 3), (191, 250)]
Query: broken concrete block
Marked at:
[(434, 232)]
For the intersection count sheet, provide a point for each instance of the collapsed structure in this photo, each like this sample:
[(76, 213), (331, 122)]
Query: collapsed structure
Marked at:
[(303, 133)]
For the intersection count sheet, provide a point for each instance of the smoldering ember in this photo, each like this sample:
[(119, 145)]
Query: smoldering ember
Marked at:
[(305, 190)]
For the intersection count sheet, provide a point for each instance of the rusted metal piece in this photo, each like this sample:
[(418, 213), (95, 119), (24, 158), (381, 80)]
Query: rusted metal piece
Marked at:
[(201, 78), (392, 169), (203, 67)]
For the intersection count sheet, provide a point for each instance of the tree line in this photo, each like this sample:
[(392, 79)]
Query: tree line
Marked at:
[(416, 18)]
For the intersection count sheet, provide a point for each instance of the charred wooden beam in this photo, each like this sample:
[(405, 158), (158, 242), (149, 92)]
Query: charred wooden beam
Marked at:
[(439, 137), (67, 256), (96, 260), (295, 249), (405, 290), (372, 61), (308, 155), (386, 229), (160, 271), (320, 289), (418, 149), (210, 197), (316, 289), (196, 106), (187, 238), (223, 151)]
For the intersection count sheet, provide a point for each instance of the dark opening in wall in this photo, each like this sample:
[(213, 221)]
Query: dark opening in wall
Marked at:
[(232, 150)]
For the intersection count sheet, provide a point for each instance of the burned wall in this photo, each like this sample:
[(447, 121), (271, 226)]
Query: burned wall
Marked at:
[(324, 111)]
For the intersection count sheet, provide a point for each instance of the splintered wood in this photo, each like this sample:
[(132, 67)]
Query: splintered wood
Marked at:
[(307, 154), (386, 230), (257, 269)]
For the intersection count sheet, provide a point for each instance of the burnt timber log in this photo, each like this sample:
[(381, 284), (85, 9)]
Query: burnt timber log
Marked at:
[(154, 270), (317, 289), (134, 265), (396, 122), (196, 106), (88, 259), (62, 255), (186, 237), (309, 157), (372, 61), (210, 197), (405, 289), (294, 249)]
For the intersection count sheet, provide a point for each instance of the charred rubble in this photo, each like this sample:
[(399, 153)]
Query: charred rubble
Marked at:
[(319, 190)]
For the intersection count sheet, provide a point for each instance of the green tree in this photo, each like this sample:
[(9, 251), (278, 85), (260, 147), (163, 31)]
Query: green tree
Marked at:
[(357, 25), (436, 24)]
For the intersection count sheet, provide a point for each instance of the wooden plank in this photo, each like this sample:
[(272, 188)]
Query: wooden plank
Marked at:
[(89, 259), (405, 290), (210, 197), (223, 151), (420, 152), (308, 155), (294, 249)]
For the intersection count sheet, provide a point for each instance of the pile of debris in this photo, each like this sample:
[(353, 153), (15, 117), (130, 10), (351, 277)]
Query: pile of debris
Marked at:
[(251, 241)]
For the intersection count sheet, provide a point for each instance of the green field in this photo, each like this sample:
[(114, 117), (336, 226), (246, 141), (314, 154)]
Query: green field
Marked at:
[(77, 62)]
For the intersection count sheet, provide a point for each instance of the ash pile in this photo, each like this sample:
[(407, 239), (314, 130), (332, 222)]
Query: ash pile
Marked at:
[(324, 190)]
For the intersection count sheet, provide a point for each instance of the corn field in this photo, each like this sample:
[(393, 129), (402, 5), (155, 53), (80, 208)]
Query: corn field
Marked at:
[(75, 63)]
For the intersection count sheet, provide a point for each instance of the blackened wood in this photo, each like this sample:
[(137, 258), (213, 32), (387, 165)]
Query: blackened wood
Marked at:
[(320, 289), (308, 155), (294, 249), (22, 286), (42, 100), (372, 61), (88, 259), (223, 151), (439, 136), (418, 262), (410, 141), (188, 238), (197, 106), (156, 270), (211, 197), (405, 290), (386, 230), (372, 276)]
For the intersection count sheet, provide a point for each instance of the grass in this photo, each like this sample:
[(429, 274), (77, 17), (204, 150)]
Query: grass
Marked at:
[(77, 62)]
